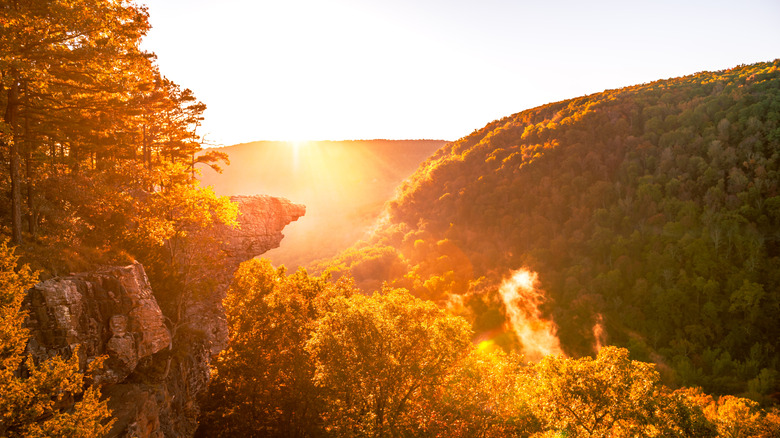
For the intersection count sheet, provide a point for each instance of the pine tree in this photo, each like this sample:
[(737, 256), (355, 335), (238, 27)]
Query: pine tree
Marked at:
[(62, 64)]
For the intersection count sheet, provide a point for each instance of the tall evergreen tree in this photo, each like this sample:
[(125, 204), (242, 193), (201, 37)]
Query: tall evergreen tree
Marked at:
[(62, 59)]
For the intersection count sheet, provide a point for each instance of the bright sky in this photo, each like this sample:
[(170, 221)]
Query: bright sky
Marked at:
[(437, 69)]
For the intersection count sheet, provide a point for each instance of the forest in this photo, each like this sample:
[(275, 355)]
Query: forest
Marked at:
[(312, 357), (650, 211)]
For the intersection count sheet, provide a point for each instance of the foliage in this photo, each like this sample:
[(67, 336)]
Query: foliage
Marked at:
[(376, 357), (300, 344), (485, 395), (103, 147), (98, 154), (263, 383), (66, 69), (653, 207), (608, 396), (310, 357), (91, 130), (594, 397), (35, 396), (175, 233)]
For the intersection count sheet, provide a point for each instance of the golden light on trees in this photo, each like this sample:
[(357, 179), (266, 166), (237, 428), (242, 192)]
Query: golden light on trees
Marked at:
[(34, 396), (376, 357)]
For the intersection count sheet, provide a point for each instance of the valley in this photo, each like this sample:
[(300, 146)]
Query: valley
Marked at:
[(343, 184)]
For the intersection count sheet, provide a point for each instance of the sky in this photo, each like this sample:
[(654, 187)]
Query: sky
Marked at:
[(301, 70)]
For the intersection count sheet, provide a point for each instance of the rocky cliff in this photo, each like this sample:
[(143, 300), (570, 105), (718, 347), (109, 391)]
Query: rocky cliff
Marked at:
[(155, 370), (261, 220), (258, 231)]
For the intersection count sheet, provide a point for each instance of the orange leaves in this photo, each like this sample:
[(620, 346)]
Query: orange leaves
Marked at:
[(377, 356), (590, 397), (264, 380), (180, 207), (33, 396)]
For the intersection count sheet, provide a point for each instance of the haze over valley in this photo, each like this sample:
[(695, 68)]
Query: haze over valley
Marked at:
[(343, 184)]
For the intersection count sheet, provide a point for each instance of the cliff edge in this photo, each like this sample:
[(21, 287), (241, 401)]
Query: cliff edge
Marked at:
[(258, 230), (155, 370)]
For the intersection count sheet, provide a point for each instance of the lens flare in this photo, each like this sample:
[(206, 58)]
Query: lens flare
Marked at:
[(522, 300)]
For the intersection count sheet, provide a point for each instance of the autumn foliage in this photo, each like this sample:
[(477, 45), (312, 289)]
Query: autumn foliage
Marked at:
[(95, 140), (309, 357), (650, 211), (37, 398), (98, 152)]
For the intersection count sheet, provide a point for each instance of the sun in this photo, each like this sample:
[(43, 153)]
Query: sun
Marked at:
[(297, 147)]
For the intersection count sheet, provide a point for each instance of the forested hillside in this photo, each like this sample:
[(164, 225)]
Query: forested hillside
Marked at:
[(649, 212)]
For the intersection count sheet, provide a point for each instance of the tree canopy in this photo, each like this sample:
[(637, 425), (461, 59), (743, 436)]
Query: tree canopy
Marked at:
[(99, 165), (649, 210), (312, 357)]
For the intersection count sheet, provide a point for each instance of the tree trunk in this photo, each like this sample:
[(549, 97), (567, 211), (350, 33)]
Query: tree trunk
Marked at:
[(147, 153), (16, 188), (32, 219), (16, 197)]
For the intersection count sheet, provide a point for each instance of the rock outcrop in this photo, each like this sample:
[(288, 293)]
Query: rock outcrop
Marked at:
[(111, 313), (261, 220), (155, 369), (258, 230)]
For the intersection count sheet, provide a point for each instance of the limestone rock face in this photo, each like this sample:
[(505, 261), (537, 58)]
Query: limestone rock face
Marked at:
[(110, 312), (261, 219), (155, 370), (78, 311)]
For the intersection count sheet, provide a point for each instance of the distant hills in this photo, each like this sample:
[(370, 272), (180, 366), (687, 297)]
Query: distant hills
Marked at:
[(344, 185), (651, 212)]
